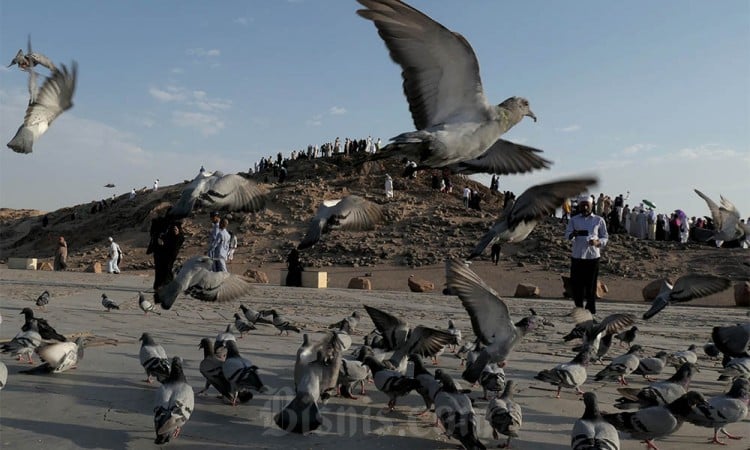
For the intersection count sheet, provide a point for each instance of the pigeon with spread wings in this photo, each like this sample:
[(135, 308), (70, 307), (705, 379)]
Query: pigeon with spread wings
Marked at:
[(351, 213)]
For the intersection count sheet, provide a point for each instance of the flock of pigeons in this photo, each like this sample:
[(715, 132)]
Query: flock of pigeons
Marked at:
[(456, 128)]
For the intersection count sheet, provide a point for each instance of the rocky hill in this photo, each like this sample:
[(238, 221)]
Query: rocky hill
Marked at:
[(423, 227)]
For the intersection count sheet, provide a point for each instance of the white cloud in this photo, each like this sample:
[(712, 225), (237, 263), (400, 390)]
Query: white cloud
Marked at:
[(177, 70), (207, 124), (568, 129), (315, 121), (202, 52), (241, 21), (337, 110), (168, 94), (637, 148)]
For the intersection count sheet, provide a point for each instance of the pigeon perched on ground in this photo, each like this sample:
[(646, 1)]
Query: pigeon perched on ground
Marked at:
[(352, 372), (591, 431), (457, 335), (242, 326), (24, 343), (41, 326), (628, 336), (711, 350), (221, 338), (490, 318), (685, 289), (254, 317), (53, 98), (281, 323), (211, 369), (505, 415), (456, 126), (58, 357), (145, 305), (651, 366), (347, 324), (492, 379), (621, 366), (677, 359), (390, 382), (43, 300), (570, 375), (656, 421), (351, 213), (175, 402), (234, 192), (736, 368), (109, 304), (455, 413), (153, 358), (519, 218), (723, 410), (733, 340), (428, 385), (197, 279), (726, 218), (658, 393), (240, 372)]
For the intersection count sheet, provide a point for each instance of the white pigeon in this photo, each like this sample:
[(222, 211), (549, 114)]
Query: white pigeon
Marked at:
[(58, 357), (55, 96), (234, 192), (351, 213), (456, 126), (490, 318), (519, 218), (685, 289), (726, 220), (175, 402), (591, 431), (197, 279), (146, 306)]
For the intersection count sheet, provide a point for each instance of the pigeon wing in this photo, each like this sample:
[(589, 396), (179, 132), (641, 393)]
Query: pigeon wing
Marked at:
[(219, 286), (693, 286), (234, 192), (54, 97), (357, 214), (386, 324), (504, 158), (439, 67), (541, 200)]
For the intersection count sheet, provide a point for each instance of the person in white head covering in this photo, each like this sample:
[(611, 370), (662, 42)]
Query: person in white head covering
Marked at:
[(115, 254), (589, 234), (388, 186)]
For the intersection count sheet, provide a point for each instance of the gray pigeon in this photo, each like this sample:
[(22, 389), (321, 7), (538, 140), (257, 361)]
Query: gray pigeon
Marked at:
[(242, 326), (175, 402), (58, 357), (677, 359), (201, 184), (254, 317), (594, 332), (733, 340), (456, 126), (727, 223), (109, 304), (685, 289), (28, 62), (222, 337), (40, 325), (197, 279), (492, 379), (627, 337), (352, 372), (390, 382), (54, 97), (570, 375), (656, 421), (659, 393), (281, 323), (24, 343), (519, 218), (456, 413), (146, 306), (490, 318), (153, 358), (736, 368), (234, 192), (347, 324), (591, 432), (621, 366), (43, 300), (505, 415), (456, 333), (428, 385), (240, 372), (651, 366), (351, 213), (211, 369), (723, 410)]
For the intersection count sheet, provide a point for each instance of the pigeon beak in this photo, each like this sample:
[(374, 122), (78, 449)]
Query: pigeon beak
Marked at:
[(531, 114)]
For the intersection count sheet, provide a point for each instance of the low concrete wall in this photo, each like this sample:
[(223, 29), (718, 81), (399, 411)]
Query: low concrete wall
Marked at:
[(22, 263), (310, 278)]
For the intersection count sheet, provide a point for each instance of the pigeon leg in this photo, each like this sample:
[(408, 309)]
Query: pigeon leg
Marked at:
[(420, 414), (362, 391), (650, 444), (730, 436), (622, 380), (177, 432), (506, 445), (434, 361), (559, 388), (579, 391), (494, 434)]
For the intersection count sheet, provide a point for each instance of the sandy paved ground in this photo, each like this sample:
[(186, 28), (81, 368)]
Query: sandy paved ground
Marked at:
[(106, 404)]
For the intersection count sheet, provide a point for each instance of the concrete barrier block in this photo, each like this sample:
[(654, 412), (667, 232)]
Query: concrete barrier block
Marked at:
[(22, 263)]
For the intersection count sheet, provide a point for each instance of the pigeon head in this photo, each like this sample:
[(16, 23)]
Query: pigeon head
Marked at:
[(634, 349), (28, 312), (205, 343), (582, 358), (518, 107), (592, 406), (740, 389), (147, 339)]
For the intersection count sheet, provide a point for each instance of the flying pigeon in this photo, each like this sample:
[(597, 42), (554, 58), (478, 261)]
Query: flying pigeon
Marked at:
[(197, 279), (490, 318), (685, 289), (43, 300), (621, 366), (656, 421), (723, 410), (109, 185), (505, 415), (28, 62), (570, 375), (201, 184), (519, 218), (41, 326), (456, 413), (659, 393), (241, 373), (234, 192), (456, 126), (726, 220), (351, 213), (145, 305), (175, 402), (594, 332), (109, 304), (58, 357), (54, 97), (591, 431), (153, 358)]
